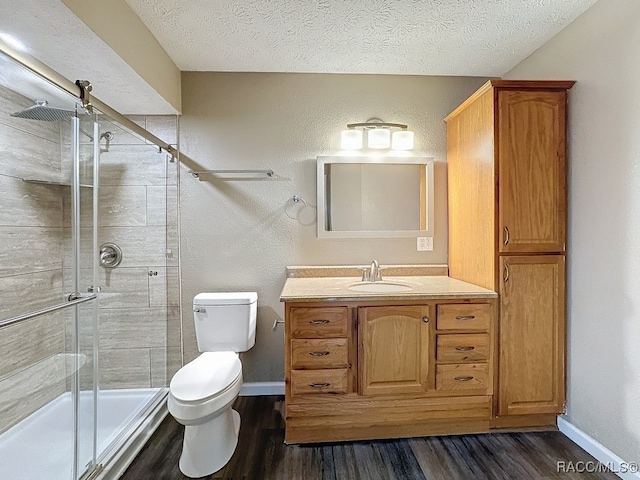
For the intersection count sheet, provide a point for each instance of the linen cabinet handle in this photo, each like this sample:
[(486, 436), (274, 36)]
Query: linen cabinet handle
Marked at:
[(318, 354), (318, 322), (463, 379), (505, 273), (506, 236), (465, 349), (319, 385), (465, 317)]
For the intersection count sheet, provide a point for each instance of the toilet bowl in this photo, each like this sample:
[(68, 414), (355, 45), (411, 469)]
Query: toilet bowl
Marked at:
[(200, 398), (202, 392)]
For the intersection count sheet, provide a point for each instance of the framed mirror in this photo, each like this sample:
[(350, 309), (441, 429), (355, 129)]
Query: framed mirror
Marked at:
[(375, 197)]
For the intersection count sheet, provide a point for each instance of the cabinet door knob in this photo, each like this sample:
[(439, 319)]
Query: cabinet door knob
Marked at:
[(465, 349), (506, 236), (319, 385), (425, 319), (318, 322), (463, 379), (318, 354)]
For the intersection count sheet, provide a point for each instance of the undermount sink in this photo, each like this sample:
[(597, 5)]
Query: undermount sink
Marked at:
[(380, 287)]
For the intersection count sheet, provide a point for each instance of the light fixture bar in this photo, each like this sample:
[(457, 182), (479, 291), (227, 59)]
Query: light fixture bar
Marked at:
[(376, 124)]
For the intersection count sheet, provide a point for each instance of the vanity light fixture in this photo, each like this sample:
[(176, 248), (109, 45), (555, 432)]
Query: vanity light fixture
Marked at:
[(379, 135)]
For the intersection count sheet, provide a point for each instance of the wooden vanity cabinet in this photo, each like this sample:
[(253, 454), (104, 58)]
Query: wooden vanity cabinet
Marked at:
[(506, 156), (363, 370)]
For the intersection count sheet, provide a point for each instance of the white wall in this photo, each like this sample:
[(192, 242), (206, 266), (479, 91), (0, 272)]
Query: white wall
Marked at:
[(235, 235), (601, 50)]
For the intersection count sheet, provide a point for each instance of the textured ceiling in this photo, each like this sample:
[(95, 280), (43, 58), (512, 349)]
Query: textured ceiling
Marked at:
[(422, 37)]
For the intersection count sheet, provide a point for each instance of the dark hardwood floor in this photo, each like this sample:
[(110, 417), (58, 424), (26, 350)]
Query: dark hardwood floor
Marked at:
[(262, 454)]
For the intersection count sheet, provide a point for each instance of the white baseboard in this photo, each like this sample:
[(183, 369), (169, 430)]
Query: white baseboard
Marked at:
[(255, 389), (601, 453)]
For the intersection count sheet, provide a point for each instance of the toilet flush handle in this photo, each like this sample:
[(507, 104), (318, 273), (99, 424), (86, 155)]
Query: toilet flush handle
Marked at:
[(200, 310)]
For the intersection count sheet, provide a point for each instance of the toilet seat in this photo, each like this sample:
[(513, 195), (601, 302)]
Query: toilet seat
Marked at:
[(204, 387), (209, 375)]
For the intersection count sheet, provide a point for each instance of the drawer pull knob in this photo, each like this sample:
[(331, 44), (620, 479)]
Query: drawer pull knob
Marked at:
[(318, 322), (319, 385), (463, 379), (318, 354), (465, 317), (465, 349)]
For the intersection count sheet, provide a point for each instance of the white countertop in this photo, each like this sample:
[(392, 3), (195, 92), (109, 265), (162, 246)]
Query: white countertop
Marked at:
[(316, 289)]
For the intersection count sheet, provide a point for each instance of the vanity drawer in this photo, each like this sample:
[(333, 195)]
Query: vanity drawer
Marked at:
[(463, 377), (319, 381), (319, 322), (319, 353), (471, 316), (463, 347)]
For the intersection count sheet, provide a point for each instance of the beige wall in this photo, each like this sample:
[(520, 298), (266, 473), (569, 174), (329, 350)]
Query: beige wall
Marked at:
[(235, 235), (601, 50)]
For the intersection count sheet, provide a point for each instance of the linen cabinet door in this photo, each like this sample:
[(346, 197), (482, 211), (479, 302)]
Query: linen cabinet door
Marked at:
[(532, 335), (394, 349), (532, 171)]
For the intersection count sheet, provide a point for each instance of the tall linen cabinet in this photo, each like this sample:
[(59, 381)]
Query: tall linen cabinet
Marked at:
[(507, 163)]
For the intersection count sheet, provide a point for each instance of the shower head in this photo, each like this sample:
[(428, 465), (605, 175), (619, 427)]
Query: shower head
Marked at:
[(41, 111), (108, 136)]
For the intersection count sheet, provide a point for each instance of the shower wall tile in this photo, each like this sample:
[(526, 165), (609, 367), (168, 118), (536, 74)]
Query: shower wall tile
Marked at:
[(29, 204), (121, 135), (164, 365), (28, 156), (124, 287), (141, 246), (165, 127), (25, 293), (174, 327), (164, 288), (162, 205), (123, 206), (119, 206), (30, 389), (132, 328), (30, 249), (140, 120), (133, 165), (23, 344), (125, 368), (172, 245)]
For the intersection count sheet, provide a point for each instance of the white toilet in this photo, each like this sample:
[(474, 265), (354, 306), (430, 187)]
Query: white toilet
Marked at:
[(202, 392)]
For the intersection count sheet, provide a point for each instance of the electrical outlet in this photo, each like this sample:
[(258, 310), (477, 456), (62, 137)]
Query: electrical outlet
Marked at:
[(425, 244)]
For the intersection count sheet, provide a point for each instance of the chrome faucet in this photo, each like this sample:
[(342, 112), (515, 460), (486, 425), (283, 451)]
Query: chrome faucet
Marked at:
[(373, 275)]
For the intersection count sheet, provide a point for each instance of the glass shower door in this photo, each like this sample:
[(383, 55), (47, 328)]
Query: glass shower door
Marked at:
[(84, 277), (47, 387)]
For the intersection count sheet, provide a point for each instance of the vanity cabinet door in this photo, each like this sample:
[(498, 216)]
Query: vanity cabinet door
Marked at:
[(532, 335), (394, 349), (532, 171)]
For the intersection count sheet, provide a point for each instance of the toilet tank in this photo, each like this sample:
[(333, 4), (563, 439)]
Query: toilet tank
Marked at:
[(225, 321)]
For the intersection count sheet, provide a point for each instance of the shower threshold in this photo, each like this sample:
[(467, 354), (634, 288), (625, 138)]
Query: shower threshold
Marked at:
[(41, 445)]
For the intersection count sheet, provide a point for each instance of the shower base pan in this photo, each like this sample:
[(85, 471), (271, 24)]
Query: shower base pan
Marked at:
[(41, 445)]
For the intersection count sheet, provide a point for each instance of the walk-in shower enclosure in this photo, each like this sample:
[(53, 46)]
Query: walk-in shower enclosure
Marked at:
[(87, 344)]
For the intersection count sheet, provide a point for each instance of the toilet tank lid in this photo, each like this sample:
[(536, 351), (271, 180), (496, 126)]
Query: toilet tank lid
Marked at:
[(226, 298)]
